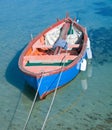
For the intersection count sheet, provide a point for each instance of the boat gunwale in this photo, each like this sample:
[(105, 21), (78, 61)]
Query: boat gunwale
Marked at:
[(76, 60)]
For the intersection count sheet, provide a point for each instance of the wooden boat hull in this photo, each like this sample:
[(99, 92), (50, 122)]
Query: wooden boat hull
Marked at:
[(49, 83), (53, 77)]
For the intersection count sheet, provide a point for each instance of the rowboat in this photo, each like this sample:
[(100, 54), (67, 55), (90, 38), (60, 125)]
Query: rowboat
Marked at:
[(56, 56)]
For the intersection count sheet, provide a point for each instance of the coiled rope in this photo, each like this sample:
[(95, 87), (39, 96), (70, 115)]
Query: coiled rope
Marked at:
[(32, 104)]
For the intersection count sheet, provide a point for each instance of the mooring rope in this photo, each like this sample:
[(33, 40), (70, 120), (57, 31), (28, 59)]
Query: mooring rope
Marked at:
[(32, 104), (68, 108), (54, 95)]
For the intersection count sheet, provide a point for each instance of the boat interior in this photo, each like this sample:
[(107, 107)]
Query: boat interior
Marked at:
[(45, 55)]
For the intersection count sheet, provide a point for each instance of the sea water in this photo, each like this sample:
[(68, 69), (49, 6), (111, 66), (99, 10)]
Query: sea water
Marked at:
[(83, 104)]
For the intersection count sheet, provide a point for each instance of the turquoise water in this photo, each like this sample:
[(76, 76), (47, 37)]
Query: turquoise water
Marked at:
[(83, 104)]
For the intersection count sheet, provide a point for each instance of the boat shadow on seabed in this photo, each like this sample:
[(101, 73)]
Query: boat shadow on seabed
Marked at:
[(14, 76)]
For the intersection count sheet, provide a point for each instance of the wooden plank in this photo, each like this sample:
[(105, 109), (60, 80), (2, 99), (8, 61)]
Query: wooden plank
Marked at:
[(50, 57)]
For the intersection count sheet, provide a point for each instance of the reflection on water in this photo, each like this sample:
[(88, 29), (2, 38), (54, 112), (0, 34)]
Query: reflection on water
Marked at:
[(84, 84), (85, 75)]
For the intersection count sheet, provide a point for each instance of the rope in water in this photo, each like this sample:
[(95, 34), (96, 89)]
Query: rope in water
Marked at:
[(32, 104), (68, 108), (54, 95)]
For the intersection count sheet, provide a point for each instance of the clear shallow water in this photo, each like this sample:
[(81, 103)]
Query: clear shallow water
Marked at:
[(83, 104)]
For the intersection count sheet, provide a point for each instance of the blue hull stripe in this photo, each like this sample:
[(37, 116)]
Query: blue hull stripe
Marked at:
[(49, 83)]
